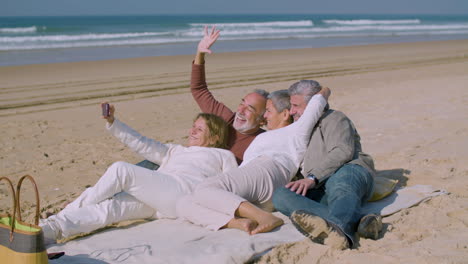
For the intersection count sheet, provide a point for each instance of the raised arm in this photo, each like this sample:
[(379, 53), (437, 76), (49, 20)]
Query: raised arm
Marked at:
[(303, 128), (148, 148), (198, 85)]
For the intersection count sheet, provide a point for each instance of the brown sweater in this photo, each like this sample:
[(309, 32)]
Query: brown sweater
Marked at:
[(208, 104)]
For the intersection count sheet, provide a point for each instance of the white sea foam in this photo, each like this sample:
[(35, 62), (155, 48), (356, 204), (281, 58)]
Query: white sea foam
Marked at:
[(275, 31), (19, 30), (102, 43), (400, 28), (372, 22), (424, 27), (447, 32), (251, 31), (83, 37), (299, 23), (299, 29)]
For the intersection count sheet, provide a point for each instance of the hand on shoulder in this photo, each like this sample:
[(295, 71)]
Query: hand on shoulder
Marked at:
[(325, 92)]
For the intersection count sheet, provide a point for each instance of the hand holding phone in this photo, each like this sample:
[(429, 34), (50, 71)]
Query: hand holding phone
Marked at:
[(105, 110), (108, 112)]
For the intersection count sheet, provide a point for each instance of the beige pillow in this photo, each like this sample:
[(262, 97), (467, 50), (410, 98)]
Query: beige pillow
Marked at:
[(382, 188)]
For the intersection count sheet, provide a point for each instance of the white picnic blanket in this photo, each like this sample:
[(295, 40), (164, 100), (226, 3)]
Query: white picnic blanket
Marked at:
[(402, 198), (176, 241)]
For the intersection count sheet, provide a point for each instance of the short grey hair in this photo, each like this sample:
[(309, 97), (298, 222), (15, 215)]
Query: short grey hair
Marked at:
[(306, 88), (262, 93), (280, 100)]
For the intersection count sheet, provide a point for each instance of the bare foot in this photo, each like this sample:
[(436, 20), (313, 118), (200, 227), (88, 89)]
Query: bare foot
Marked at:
[(243, 224), (266, 223)]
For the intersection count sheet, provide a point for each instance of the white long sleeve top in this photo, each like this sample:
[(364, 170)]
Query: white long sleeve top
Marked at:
[(188, 165), (287, 145)]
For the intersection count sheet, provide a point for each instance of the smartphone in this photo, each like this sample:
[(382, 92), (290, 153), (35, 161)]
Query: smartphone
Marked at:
[(55, 255), (105, 110)]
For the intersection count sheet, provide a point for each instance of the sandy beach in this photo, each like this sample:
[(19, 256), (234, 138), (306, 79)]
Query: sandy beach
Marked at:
[(409, 102)]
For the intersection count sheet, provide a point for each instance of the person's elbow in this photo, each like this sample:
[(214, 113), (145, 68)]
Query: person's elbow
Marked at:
[(342, 153)]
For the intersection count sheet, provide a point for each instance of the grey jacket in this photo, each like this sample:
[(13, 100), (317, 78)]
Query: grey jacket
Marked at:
[(334, 142)]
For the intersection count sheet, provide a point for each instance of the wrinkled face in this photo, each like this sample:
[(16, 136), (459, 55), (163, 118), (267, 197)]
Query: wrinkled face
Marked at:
[(298, 105), (249, 114), (199, 134), (272, 116)]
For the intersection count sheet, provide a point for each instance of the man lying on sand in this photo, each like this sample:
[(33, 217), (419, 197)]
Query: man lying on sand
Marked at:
[(276, 116), (335, 168), (270, 162), (325, 205), (244, 124)]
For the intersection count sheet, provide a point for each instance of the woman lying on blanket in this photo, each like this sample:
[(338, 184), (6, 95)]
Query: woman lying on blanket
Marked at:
[(271, 160), (127, 191)]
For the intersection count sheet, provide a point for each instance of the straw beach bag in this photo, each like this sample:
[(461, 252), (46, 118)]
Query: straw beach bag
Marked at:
[(21, 243)]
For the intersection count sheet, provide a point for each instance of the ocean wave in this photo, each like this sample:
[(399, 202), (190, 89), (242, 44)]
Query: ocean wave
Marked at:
[(273, 31), (34, 46), (19, 30), (83, 37), (299, 23), (399, 28), (163, 41), (251, 31), (371, 22), (247, 33), (317, 35), (231, 31), (418, 27), (429, 33)]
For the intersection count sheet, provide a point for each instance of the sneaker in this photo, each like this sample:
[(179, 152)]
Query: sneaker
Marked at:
[(370, 226), (319, 230)]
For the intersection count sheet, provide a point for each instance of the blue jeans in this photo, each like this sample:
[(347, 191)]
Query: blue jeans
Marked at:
[(338, 201)]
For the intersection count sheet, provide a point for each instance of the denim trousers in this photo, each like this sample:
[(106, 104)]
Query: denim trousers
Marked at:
[(338, 200)]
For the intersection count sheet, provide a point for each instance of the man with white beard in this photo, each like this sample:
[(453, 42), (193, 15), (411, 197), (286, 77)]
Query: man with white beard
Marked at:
[(245, 123)]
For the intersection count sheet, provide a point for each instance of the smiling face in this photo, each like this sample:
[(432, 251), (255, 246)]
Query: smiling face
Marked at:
[(249, 114), (272, 116), (199, 134), (298, 105), (275, 119)]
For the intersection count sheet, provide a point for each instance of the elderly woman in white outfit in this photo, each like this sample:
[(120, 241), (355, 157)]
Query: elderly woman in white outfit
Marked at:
[(127, 191), (270, 162)]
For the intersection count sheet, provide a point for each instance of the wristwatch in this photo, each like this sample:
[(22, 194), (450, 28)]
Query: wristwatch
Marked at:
[(312, 177)]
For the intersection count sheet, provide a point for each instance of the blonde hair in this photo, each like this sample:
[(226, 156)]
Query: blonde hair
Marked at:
[(218, 130)]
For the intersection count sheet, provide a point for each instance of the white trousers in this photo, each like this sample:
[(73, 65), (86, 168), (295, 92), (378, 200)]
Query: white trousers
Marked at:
[(124, 192), (214, 202)]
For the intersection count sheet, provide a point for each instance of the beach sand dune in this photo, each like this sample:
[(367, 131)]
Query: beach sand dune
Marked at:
[(409, 102)]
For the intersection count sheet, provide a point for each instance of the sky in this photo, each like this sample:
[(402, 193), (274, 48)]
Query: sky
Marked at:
[(146, 7)]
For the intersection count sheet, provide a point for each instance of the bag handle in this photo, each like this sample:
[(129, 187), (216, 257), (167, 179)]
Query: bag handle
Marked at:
[(13, 198), (18, 206)]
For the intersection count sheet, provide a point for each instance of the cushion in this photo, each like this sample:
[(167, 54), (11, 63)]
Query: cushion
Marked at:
[(382, 188)]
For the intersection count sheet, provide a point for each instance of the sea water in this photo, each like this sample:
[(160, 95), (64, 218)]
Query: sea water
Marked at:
[(31, 40)]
